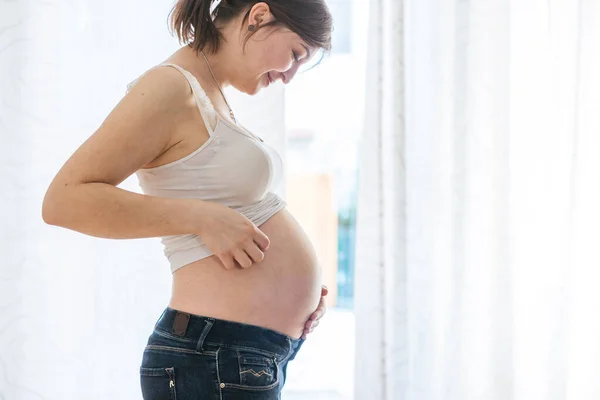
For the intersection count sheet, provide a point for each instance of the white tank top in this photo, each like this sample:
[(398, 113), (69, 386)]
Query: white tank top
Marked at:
[(234, 168)]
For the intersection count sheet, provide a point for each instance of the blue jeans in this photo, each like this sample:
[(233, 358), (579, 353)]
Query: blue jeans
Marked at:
[(191, 357)]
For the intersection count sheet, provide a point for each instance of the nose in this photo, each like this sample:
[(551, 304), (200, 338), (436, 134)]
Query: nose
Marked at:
[(288, 75)]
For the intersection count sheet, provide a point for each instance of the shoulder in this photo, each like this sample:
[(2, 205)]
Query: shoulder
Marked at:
[(162, 84)]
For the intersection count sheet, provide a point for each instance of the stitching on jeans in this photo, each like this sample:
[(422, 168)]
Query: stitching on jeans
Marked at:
[(218, 376), (178, 350), (256, 360), (253, 349), (254, 388), (169, 348), (257, 374), (172, 379), (239, 364), (278, 380), (209, 323), (152, 371), (167, 335)]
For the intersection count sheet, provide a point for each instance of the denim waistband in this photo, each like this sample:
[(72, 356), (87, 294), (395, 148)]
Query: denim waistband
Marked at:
[(208, 332)]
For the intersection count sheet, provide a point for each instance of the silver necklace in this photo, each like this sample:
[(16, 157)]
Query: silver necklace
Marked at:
[(219, 87)]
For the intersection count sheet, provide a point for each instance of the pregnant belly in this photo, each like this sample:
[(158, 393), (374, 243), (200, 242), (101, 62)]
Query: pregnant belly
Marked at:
[(279, 293)]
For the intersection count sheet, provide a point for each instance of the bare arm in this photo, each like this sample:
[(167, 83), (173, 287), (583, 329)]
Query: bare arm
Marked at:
[(83, 196), (102, 210)]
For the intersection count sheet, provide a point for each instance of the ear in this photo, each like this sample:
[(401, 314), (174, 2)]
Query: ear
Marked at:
[(260, 14)]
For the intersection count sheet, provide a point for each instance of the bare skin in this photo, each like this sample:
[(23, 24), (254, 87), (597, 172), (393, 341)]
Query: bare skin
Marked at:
[(267, 276), (280, 292)]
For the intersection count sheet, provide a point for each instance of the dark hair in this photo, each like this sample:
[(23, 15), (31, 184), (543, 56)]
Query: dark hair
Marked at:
[(194, 23)]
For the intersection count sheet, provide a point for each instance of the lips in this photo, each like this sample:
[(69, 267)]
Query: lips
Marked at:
[(269, 78)]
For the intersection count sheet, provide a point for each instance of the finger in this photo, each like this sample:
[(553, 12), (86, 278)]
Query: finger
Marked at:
[(242, 258), (311, 324), (317, 315), (226, 260), (254, 252), (324, 291), (261, 240), (320, 311), (322, 303)]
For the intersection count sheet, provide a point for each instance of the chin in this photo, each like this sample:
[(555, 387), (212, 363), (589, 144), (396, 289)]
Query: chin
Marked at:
[(250, 90), (255, 91)]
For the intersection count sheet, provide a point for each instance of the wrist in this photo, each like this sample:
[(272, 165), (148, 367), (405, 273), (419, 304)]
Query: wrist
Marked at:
[(197, 216)]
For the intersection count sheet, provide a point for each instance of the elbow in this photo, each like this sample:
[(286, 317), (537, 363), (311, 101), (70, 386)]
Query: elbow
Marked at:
[(49, 214), (58, 201), (51, 207)]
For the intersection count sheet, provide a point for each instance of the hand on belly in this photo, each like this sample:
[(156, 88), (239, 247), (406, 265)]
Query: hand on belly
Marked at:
[(315, 318), (281, 292)]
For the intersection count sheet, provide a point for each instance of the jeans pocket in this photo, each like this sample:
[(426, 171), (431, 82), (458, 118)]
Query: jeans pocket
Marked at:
[(247, 370), (158, 383), (257, 369)]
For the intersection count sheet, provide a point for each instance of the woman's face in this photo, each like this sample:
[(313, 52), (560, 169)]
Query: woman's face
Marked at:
[(272, 53)]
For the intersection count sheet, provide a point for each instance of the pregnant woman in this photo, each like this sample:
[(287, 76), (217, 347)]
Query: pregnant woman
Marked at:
[(246, 282)]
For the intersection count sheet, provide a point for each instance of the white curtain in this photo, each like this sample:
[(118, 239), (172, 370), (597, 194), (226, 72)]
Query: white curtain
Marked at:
[(478, 262), (76, 311)]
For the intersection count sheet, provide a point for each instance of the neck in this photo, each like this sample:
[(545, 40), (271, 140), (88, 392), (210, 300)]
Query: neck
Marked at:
[(222, 63), (216, 66)]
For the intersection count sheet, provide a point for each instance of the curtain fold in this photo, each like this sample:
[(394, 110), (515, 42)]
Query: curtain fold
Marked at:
[(381, 305), (477, 239)]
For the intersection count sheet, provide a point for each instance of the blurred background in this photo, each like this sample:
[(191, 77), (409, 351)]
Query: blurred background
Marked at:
[(444, 159)]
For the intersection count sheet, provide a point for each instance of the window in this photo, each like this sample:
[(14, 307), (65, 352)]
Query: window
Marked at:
[(324, 110), (342, 13)]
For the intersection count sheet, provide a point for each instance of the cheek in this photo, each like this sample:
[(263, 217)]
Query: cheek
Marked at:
[(276, 56), (280, 61), (270, 62), (269, 55)]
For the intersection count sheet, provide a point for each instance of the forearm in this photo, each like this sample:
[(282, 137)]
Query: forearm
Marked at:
[(106, 211)]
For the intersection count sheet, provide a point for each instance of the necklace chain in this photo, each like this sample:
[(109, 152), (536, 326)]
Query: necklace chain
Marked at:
[(219, 87)]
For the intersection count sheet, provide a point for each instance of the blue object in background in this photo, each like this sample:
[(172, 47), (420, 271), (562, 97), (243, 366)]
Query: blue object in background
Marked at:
[(346, 253)]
